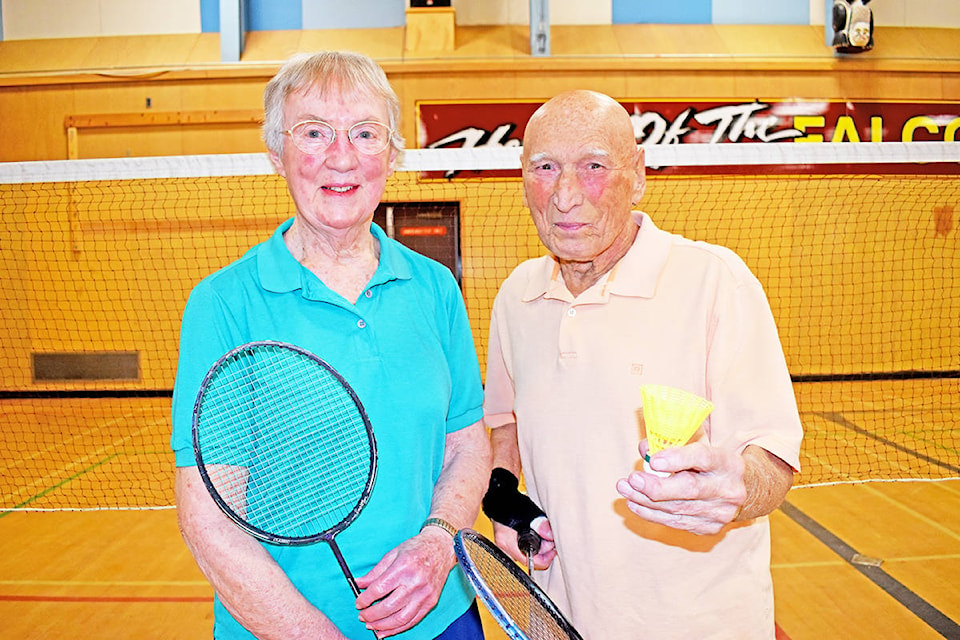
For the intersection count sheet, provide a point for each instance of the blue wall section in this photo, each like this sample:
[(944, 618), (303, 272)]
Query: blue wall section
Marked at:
[(261, 15), (210, 16), (274, 15), (711, 11), (663, 11), (779, 12), (278, 15), (363, 14)]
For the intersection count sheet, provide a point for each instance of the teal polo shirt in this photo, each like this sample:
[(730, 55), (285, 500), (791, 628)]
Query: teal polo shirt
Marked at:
[(405, 347)]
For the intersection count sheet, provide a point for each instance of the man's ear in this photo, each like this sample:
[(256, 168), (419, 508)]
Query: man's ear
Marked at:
[(641, 185)]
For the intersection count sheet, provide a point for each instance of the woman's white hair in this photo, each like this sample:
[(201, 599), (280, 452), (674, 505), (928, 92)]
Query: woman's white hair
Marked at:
[(341, 70)]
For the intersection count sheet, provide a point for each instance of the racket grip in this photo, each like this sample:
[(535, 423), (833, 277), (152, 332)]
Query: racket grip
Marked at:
[(529, 542)]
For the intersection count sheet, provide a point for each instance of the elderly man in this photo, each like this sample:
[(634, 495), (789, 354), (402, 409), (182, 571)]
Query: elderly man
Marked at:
[(619, 303)]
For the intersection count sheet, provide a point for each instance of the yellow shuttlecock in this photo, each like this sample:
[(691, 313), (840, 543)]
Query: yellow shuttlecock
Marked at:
[(671, 417)]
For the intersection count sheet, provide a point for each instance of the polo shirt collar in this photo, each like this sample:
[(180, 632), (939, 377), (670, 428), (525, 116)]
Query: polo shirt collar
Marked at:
[(635, 275), (280, 272)]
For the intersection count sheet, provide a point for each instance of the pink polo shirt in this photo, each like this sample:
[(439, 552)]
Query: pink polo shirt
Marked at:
[(568, 370)]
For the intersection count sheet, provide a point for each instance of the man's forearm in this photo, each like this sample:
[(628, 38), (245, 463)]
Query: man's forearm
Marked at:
[(506, 448), (767, 479)]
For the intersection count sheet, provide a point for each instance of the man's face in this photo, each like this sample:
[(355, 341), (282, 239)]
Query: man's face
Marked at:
[(581, 179)]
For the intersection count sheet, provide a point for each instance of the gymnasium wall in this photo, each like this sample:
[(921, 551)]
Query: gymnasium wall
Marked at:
[(30, 19), (168, 94)]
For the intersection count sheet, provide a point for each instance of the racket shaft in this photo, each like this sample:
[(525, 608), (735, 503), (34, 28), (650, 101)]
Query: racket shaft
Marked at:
[(343, 567)]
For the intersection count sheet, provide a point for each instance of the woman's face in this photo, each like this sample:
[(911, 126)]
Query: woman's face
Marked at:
[(340, 187)]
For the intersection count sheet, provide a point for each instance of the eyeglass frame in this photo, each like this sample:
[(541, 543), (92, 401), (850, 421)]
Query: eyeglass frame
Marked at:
[(390, 134)]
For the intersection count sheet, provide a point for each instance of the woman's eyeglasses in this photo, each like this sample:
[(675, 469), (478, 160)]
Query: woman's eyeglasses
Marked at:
[(314, 136)]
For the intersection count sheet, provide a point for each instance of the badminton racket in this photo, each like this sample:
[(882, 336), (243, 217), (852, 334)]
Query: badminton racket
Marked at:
[(284, 446), (517, 604)]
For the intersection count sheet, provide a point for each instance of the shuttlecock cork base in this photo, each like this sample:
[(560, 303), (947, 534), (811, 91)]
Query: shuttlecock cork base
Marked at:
[(671, 416)]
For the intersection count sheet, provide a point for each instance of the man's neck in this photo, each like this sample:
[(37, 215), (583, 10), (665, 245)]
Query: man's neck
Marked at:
[(580, 276)]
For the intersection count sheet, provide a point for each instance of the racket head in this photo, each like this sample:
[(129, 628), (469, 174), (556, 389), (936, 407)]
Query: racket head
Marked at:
[(519, 606), (283, 444)]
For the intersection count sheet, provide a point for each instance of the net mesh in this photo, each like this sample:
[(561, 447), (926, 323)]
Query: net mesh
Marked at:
[(855, 244)]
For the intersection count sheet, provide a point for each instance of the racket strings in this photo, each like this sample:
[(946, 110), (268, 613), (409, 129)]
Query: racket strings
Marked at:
[(284, 442), (527, 610)]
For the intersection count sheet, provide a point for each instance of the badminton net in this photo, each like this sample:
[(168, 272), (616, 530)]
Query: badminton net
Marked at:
[(855, 244)]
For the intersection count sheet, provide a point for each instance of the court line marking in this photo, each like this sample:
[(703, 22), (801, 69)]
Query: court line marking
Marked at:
[(117, 447), (939, 556), (950, 488), (65, 481), (838, 418), (103, 599), (947, 531), (935, 618), (82, 433), (180, 584), (104, 583), (807, 565)]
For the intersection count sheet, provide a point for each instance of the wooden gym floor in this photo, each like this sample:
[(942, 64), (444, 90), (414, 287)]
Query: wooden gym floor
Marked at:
[(852, 561), (126, 574)]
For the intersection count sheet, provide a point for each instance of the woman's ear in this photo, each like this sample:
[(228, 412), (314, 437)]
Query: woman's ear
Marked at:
[(277, 163)]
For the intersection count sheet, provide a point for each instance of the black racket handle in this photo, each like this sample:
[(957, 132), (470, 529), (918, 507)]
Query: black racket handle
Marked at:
[(529, 541)]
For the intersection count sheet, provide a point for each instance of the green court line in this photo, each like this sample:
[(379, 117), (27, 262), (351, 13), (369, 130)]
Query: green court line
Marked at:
[(839, 419), (53, 488)]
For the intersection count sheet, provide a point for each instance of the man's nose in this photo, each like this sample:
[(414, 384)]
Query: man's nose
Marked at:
[(567, 193)]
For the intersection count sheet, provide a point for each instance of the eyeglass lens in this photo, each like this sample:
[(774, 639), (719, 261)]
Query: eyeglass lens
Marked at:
[(314, 136)]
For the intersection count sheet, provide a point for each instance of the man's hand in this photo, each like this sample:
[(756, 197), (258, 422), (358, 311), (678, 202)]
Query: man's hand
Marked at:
[(708, 487), (506, 539), (703, 493)]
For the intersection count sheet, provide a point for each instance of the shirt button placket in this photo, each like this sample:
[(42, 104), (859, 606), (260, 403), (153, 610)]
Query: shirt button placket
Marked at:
[(567, 344)]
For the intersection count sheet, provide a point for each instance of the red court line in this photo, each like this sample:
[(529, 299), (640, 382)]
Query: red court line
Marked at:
[(14, 598), (780, 633)]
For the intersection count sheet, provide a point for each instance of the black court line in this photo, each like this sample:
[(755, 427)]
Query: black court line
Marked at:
[(914, 603), (838, 418), (85, 393), (912, 374)]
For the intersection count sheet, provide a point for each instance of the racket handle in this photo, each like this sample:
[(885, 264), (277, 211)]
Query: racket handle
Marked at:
[(529, 542)]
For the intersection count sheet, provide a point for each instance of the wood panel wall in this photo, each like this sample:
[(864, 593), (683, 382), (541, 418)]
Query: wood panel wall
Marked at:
[(46, 85)]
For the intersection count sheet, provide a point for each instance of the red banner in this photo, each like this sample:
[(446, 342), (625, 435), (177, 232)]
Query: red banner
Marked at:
[(496, 124)]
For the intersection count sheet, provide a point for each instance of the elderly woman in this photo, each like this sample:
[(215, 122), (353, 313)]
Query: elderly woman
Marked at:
[(394, 324)]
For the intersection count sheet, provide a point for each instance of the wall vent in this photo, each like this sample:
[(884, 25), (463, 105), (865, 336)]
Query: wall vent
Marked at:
[(99, 365)]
